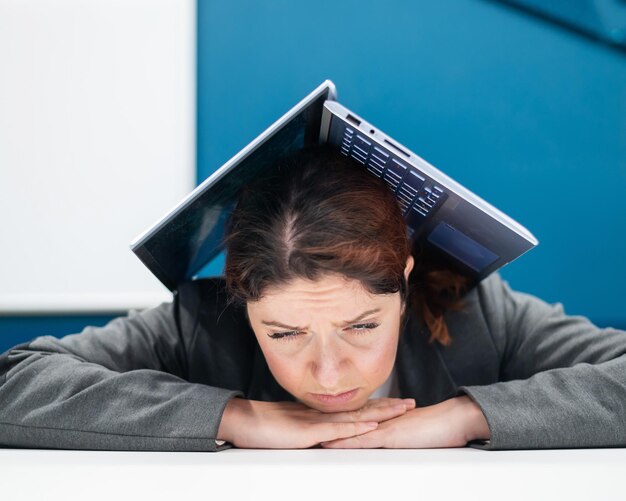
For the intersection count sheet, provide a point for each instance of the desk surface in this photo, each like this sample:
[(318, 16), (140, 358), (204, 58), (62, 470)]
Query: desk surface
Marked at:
[(315, 474)]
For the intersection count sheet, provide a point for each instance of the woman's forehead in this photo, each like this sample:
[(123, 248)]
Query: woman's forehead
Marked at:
[(327, 287), (334, 296)]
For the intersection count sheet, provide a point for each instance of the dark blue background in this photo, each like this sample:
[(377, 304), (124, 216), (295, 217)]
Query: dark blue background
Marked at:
[(529, 116)]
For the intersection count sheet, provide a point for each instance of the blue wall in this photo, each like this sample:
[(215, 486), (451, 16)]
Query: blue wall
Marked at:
[(527, 115), (14, 330)]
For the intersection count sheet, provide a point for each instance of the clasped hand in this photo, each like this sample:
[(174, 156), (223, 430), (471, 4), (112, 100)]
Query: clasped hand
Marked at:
[(400, 425), (439, 425)]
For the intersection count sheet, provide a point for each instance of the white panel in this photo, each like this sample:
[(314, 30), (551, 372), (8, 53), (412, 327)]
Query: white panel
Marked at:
[(97, 142)]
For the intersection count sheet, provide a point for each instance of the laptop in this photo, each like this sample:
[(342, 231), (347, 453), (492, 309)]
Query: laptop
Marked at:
[(443, 218)]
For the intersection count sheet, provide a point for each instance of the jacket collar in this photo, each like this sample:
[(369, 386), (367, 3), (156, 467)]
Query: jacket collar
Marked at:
[(421, 371)]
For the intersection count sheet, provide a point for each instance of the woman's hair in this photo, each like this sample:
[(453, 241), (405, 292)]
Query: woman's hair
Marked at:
[(317, 212)]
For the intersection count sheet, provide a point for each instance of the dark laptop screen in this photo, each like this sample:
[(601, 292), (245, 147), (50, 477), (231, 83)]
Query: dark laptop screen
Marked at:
[(193, 235)]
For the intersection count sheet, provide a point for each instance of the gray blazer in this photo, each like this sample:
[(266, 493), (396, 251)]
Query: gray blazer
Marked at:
[(160, 379)]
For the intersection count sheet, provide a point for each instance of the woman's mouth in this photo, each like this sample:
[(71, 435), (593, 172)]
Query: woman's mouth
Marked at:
[(331, 399)]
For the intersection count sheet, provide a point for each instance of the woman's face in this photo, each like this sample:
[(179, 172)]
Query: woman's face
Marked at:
[(328, 337)]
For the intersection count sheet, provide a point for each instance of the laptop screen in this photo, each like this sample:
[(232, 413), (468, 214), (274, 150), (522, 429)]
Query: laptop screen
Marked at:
[(192, 236)]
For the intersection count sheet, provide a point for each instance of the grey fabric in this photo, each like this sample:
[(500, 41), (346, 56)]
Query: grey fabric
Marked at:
[(562, 380), (160, 379), (118, 387)]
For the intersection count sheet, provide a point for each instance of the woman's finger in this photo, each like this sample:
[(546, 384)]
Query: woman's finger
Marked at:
[(371, 440), (382, 413), (366, 413), (334, 431), (380, 402)]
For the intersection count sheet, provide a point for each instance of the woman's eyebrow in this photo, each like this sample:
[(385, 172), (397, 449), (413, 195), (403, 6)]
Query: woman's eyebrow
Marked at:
[(283, 326)]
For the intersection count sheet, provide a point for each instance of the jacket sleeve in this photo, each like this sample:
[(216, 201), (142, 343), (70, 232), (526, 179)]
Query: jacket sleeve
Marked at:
[(562, 380), (117, 387)]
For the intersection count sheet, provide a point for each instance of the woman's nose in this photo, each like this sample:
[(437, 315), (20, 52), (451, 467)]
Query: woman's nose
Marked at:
[(328, 366)]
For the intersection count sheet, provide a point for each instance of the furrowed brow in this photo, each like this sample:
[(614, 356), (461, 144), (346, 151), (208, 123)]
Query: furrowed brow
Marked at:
[(347, 322)]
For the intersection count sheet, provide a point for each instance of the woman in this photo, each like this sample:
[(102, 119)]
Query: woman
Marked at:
[(325, 322)]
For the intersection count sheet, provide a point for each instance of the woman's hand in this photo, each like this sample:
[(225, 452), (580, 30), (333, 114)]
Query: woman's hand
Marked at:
[(254, 424), (451, 423)]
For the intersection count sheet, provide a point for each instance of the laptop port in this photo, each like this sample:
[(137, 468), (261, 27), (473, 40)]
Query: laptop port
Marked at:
[(353, 120)]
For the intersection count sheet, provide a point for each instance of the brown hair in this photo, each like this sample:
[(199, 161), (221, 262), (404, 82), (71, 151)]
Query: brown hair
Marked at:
[(318, 212)]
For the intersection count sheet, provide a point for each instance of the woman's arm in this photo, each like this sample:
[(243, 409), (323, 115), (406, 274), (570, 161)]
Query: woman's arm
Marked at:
[(117, 387), (563, 380)]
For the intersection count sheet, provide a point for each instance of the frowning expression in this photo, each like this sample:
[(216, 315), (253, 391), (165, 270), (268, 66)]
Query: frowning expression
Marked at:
[(327, 337)]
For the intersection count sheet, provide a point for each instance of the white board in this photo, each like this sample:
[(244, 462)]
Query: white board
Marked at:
[(97, 142)]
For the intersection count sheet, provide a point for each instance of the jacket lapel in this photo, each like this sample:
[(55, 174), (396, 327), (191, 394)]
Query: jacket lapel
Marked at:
[(471, 358), (421, 372)]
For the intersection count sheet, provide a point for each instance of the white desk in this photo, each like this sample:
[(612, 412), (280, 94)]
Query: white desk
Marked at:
[(404, 474)]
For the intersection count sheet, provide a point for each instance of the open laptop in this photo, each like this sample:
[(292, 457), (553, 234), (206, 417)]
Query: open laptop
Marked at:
[(442, 216)]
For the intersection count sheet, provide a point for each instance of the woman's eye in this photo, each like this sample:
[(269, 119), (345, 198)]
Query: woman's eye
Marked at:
[(284, 335), (357, 329), (363, 328)]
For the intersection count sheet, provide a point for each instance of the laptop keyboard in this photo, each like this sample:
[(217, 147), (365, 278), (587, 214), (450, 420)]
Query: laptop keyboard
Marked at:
[(419, 198)]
